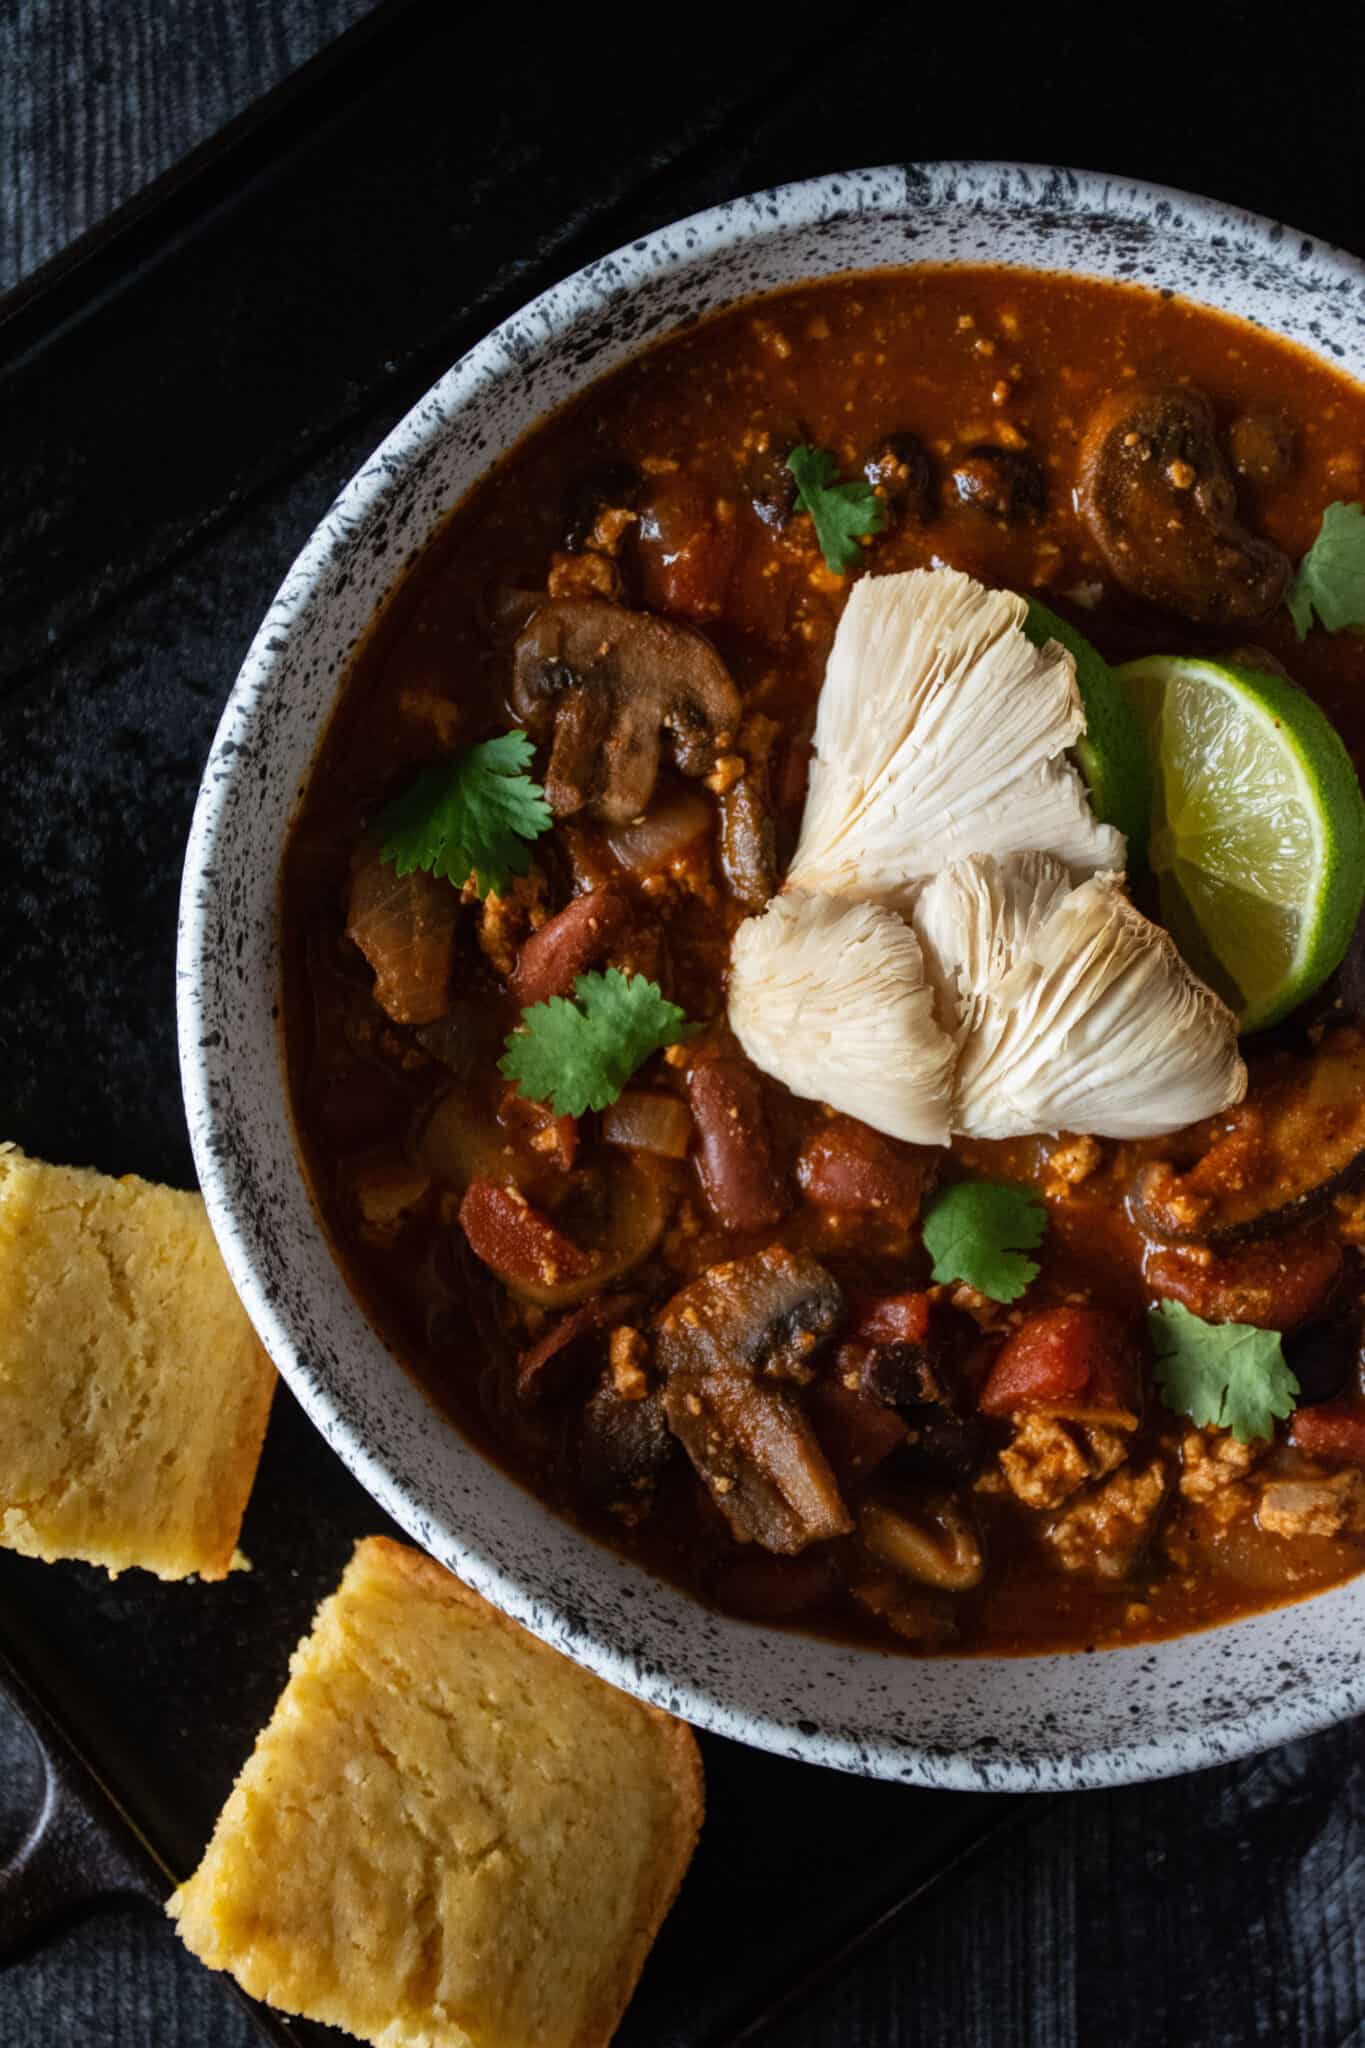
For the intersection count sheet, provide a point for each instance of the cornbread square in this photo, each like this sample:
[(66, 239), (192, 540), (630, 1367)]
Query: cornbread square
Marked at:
[(133, 1392), (448, 1836)]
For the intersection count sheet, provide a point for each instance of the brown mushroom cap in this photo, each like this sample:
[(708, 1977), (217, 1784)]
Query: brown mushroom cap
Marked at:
[(1160, 503), (609, 683)]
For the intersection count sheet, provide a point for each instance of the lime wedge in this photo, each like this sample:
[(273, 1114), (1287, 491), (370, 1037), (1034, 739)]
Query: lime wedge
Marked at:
[(1258, 828), (1111, 756)]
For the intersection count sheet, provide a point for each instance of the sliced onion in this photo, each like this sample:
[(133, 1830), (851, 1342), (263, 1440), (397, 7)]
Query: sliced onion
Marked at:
[(616, 1214), (645, 1122), (672, 823), (460, 1141)]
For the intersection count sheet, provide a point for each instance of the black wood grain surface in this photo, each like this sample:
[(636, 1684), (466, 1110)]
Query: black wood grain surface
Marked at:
[(1220, 1910), (100, 97)]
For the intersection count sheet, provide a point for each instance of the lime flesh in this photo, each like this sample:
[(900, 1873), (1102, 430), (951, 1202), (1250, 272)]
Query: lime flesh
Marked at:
[(1257, 831)]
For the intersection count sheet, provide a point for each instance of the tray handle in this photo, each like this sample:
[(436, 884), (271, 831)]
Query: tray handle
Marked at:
[(83, 1849)]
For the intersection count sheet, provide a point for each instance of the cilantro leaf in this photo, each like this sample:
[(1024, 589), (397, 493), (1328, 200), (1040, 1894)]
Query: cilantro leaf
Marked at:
[(1229, 1374), (470, 816), (1331, 578), (840, 513), (976, 1231), (579, 1055)]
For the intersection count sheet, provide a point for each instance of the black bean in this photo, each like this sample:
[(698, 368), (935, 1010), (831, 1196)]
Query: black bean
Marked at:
[(899, 470), (1004, 482)]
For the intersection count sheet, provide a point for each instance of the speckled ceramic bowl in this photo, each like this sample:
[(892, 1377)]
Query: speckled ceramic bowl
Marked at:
[(1037, 1722)]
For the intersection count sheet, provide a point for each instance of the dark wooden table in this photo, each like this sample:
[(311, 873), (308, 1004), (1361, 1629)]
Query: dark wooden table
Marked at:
[(1223, 1909)]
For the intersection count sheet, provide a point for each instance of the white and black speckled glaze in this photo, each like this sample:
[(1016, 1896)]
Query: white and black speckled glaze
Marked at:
[(1040, 1722)]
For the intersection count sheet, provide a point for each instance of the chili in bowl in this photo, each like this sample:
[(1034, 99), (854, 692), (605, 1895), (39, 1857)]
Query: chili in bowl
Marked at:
[(816, 848)]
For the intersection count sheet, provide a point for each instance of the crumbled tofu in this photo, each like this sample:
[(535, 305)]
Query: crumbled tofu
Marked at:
[(772, 338), (1103, 1531), (385, 1189), (1047, 1461), (627, 1353), (1214, 1468), (726, 773), (610, 528), (589, 575), (1351, 1218), (1327, 1506), (504, 921), (1075, 1159), (438, 714)]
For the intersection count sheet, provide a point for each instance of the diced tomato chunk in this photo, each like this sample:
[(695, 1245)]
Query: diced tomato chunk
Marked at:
[(890, 1319), (850, 1168), (1082, 1360), (515, 1239), (686, 552), (1330, 1431), (1275, 1284), (856, 1431)]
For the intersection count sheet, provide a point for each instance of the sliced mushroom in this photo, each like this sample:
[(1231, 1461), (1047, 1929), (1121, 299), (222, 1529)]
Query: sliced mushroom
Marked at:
[(725, 1342), (1070, 1010), (1160, 503), (405, 927), (609, 683), (748, 833), (942, 731), (934, 1542), (1262, 446), (1278, 1160), (831, 999), (623, 1445), (768, 1314)]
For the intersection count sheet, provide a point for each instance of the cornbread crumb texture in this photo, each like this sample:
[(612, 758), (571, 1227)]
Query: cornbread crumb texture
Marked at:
[(448, 1835), (133, 1391)]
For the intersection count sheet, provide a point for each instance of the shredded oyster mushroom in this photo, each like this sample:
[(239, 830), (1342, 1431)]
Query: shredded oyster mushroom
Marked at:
[(831, 999), (1069, 1009), (942, 731)]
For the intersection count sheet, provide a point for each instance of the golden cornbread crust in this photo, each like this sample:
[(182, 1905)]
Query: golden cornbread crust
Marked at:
[(448, 1836), (133, 1391)]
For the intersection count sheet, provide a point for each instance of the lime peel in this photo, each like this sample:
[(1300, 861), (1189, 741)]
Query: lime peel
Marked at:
[(1258, 828)]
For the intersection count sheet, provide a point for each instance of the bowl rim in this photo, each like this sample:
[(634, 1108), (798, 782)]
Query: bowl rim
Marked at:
[(415, 436)]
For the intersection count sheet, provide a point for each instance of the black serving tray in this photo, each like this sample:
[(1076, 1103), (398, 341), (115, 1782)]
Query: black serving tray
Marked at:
[(180, 397)]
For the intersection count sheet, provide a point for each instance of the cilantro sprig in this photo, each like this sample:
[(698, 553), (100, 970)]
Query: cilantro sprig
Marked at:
[(579, 1055), (1231, 1375), (978, 1230), (470, 816), (841, 514), (1331, 578)]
